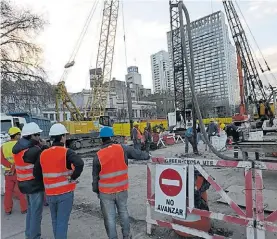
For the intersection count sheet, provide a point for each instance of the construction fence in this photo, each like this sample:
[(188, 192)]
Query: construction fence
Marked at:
[(171, 190)]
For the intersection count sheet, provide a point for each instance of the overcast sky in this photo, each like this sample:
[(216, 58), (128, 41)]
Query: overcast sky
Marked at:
[(146, 24)]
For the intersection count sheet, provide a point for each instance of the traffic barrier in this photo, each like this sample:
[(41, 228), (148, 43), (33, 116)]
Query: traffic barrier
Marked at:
[(168, 184)]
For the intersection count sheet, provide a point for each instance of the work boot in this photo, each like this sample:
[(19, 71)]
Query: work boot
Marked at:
[(24, 212), (9, 213)]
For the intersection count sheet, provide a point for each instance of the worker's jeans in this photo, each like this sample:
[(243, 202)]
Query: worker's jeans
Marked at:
[(11, 186), (60, 208), (187, 141), (147, 146), (137, 144), (34, 215), (109, 203)]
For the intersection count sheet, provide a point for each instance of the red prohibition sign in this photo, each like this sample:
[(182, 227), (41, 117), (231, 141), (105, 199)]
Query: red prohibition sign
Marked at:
[(170, 182)]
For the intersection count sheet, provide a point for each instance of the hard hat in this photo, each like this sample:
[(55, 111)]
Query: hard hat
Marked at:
[(136, 123), (106, 132), (14, 131), (57, 129), (30, 129)]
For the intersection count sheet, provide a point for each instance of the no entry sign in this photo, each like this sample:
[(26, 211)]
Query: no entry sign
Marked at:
[(170, 190)]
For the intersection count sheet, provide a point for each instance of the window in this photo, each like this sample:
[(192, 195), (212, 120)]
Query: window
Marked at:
[(51, 117), (45, 115)]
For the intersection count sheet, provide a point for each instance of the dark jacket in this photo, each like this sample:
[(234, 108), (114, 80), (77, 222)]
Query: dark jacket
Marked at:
[(71, 158), (30, 156), (147, 136), (129, 152), (212, 129)]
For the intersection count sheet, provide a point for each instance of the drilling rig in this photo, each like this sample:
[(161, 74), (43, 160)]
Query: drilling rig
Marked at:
[(252, 90)]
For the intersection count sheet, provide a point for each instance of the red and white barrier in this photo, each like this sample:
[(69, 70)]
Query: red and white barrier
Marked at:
[(252, 220)]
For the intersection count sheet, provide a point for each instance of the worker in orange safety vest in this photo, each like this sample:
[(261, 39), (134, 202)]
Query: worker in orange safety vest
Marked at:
[(59, 167), (110, 181), (11, 185), (26, 152)]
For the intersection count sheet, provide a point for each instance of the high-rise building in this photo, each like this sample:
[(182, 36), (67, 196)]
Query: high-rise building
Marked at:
[(133, 76), (160, 72), (215, 63)]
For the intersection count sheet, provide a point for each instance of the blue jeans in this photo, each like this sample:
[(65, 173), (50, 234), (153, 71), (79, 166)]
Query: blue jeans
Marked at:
[(34, 215), (60, 208), (109, 203), (137, 144)]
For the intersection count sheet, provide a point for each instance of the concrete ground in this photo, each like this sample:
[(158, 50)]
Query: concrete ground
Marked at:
[(86, 221)]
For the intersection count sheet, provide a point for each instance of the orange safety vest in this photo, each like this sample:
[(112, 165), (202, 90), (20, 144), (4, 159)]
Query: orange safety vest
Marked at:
[(139, 134), (54, 171), (24, 171), (114, 171)]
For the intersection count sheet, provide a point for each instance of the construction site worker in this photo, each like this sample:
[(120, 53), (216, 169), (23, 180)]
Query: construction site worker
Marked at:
[(147, 139), (110, 181), (26, 152), (11, 185), (59, 168), (136, 136)]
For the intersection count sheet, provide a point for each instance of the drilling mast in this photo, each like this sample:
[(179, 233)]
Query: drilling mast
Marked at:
[(253, 86)]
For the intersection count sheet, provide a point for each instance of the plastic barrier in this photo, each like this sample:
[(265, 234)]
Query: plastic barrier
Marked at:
[(254, 221)]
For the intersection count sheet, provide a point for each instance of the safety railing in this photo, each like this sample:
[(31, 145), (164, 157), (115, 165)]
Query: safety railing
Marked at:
[(252, 220)]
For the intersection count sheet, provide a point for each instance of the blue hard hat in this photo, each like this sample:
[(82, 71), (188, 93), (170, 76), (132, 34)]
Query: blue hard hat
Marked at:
[(106, 132)]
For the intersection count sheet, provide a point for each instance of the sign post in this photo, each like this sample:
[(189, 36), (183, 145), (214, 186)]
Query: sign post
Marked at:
[(171, 190)]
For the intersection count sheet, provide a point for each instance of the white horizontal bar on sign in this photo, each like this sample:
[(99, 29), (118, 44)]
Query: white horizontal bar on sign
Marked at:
[(171, 182)]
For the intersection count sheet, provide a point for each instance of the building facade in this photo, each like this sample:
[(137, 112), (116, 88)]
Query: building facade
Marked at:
[(117, 102), (160, 72), (215, 64)]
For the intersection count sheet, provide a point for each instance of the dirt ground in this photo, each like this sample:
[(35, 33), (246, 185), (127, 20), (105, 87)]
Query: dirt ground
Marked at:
[(87, 222)]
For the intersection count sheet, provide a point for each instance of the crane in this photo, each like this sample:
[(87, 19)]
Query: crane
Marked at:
[(253, 89), (101, 75)]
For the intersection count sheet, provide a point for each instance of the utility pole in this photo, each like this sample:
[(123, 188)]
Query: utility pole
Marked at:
[(130, 110)]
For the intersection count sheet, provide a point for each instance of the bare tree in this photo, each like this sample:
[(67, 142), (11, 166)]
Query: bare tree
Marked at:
[(26, 95), (19, 55)]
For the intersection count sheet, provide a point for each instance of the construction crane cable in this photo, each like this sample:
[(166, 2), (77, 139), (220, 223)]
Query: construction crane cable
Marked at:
[(190, 71), (124, 36), (83, 32), (78, 43)]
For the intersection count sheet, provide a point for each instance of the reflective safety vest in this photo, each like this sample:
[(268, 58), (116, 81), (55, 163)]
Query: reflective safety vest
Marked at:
[(139, 134), (24, 171), (7, 152), (114, 170), (55, 174)]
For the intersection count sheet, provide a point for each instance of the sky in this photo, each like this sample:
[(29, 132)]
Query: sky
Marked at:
[(146, 24)]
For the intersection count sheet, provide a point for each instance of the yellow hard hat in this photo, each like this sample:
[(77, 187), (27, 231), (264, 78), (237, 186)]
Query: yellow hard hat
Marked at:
[(136, 123), (14, 130)]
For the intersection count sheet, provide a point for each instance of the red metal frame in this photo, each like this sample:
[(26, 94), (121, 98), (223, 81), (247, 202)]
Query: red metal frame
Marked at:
[(246, 218)]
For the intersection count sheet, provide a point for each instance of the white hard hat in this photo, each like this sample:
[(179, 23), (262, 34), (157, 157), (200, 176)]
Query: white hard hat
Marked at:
[(57, 129), (30, 129)]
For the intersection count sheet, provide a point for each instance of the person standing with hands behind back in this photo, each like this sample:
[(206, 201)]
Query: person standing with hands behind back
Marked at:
[(59, 167)]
